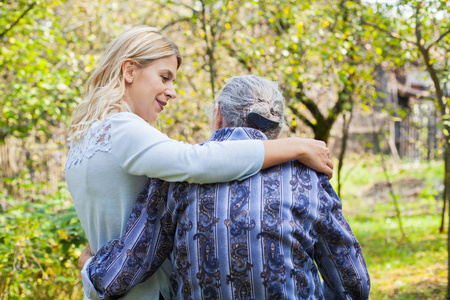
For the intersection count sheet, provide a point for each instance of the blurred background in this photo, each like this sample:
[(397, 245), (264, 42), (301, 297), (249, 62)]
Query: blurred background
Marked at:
[(371, 78)]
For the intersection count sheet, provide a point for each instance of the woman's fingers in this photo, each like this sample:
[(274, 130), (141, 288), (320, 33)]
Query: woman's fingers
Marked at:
[(317, 157)]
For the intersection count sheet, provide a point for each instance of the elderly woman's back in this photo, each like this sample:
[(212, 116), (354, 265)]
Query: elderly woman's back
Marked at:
[(266, 237)]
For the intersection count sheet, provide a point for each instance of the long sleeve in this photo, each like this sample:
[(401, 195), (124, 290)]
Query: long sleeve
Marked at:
[(141, 149), (126, 261), (337, 252)]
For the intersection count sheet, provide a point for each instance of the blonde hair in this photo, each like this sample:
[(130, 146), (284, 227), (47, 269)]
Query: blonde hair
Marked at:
[(105, 87)]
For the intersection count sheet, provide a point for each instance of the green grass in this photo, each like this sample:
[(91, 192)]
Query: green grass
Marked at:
[(409, 266)]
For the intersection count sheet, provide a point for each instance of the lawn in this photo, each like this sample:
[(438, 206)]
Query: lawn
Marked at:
[(408, 265)]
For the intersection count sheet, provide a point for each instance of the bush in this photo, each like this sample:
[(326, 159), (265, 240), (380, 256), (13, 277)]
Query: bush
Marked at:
[(40, 242)]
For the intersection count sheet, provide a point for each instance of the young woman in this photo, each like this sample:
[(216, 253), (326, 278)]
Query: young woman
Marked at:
[(114, 148)]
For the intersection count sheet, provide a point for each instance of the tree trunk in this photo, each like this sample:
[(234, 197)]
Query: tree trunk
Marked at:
[(210, 48), (446, 199), (322, 132), (345, 134), (444, 204)]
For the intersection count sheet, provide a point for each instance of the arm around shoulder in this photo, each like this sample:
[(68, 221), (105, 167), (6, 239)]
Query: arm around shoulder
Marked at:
[(310, 152), (141, 149)]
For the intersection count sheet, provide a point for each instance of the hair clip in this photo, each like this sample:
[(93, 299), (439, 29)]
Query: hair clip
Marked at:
[(262, 122)]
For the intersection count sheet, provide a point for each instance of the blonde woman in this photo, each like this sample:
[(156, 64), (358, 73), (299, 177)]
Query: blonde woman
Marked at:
[(114, 148)]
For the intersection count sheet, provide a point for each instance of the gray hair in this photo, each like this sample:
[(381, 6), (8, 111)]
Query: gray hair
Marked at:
[(246, 97)]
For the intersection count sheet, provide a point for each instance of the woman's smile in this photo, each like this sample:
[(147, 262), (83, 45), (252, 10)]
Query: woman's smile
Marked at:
[(161, 104)]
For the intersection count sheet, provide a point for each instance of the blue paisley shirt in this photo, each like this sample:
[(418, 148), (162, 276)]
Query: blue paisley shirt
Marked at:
[(265, 237)]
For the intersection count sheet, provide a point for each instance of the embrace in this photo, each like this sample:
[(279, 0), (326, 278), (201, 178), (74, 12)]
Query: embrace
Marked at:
[(242, 216)]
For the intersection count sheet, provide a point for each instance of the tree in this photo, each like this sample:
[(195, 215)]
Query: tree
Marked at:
[(426, 32), (283, 43)]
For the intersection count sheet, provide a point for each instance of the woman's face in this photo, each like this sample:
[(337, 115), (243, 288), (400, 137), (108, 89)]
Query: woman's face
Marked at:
[(149, 89)]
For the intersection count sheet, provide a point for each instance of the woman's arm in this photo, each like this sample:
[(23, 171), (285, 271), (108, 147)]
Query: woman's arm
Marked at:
[(143, 150), (312, 153), (147, 241)]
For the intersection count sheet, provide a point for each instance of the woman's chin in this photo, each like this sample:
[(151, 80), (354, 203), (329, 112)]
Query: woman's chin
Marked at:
[(153, 120)]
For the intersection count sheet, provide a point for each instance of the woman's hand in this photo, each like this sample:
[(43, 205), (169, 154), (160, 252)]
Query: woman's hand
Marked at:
[(310, 152), (85, 255), (316, 155)]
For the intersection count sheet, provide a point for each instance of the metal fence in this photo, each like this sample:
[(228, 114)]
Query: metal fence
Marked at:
[(417, 136)]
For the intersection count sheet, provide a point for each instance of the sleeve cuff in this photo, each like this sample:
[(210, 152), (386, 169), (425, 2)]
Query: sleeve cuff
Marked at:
[(90, 293)]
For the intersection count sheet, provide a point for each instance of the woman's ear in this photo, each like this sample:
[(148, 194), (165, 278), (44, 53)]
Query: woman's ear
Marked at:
[(128, 71), (218, 120)]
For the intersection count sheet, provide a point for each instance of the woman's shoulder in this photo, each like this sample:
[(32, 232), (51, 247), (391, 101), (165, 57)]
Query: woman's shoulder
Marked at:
[(126, 117), (129, 128), (118, 131), (129, 123)]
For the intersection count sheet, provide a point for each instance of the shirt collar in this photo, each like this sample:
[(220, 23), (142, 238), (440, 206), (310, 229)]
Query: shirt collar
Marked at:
[(236, 133)]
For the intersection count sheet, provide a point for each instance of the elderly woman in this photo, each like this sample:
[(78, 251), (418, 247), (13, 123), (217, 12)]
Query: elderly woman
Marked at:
[(265, 237)]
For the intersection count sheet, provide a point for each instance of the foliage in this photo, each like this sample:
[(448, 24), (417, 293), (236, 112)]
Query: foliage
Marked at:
[(321, 74), (40, 242), (37, 78), (315, 50)]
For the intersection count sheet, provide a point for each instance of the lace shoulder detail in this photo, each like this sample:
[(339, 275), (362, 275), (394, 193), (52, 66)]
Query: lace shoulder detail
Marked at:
[(97, 138)]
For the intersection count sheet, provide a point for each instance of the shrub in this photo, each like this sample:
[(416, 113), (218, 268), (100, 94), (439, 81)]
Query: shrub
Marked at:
[(40, 241)]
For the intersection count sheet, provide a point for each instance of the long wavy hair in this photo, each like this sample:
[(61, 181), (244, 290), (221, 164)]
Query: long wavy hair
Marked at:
[(105, 87)]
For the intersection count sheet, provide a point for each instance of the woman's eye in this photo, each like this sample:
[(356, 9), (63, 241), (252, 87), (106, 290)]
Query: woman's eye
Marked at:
[(165, 78)]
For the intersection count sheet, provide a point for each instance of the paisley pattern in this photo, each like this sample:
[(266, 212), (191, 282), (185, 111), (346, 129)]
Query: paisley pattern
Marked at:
[(266, 237), (208, 263), (180, 257), (273, 273), (239, 224)]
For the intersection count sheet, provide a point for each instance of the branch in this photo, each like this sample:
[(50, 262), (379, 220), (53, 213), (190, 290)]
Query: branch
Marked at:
[(343, 96), (186, 19), (390, 33), (336, 16), (310, 104), (300, 116), (185, 5), (417, 29), (439, 39), (209, 47), (30, 7)]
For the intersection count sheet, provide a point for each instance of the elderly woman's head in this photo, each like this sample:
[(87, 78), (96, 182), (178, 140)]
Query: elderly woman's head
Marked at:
[(251, 101)]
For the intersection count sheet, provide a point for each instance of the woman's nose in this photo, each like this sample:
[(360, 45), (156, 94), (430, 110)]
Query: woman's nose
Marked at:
[(170, 92)]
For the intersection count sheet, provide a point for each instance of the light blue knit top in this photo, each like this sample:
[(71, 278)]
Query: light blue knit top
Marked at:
[(107, 169)]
